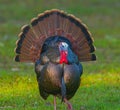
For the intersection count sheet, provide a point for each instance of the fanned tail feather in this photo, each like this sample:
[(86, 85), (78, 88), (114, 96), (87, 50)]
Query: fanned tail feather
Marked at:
[(54, 23)]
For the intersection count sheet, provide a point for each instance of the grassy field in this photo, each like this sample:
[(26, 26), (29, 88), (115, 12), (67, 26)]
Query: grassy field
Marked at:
[(100, 87)]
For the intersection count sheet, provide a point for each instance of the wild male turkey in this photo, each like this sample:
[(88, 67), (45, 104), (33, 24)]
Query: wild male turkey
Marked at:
[(56, 41)]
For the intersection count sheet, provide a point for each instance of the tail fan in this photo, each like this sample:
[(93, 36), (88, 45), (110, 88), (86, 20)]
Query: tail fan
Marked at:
[(54, 23)]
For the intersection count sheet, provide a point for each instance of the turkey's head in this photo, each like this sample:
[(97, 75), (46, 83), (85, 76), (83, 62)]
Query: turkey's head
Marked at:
[(63, 49)]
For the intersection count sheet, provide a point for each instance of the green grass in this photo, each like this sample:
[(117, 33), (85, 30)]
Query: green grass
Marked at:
[(97, 91), (100, 87)]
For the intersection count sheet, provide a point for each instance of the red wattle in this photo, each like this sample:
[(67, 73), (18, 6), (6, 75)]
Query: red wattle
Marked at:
[(63, 57)]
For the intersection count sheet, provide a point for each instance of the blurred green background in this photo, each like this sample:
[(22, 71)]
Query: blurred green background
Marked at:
[(100, 88)]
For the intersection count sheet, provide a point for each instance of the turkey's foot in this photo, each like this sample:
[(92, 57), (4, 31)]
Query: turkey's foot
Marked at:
[(69, 105)]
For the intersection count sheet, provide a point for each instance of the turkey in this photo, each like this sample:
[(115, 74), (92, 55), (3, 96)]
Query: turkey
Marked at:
[(56, 42)]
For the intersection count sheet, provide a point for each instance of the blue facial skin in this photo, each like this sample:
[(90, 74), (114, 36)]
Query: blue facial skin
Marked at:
[(63, 46)]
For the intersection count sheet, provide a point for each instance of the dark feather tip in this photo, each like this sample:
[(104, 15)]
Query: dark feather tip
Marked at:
[(19, 43), (55, 11), (92, 48), (72, 19), (17, 50), (40, 18), (46, 15), (17, 58), (63, 15), (93, 57), (22, 36), (34, 21), (25, 29)]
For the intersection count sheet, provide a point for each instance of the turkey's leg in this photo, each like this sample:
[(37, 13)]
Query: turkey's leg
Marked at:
[(54, 102), (69, 105)]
